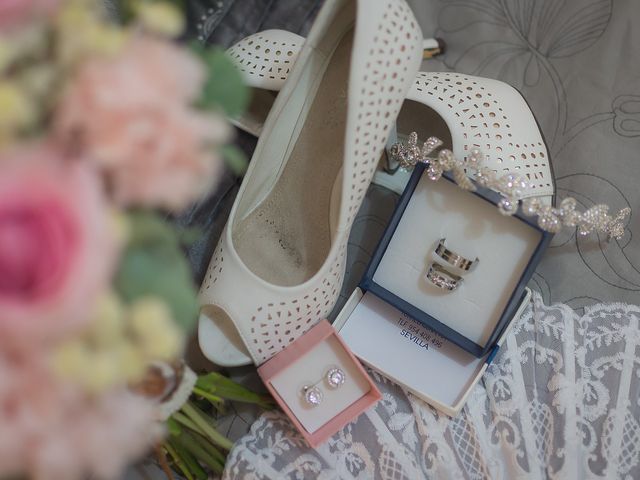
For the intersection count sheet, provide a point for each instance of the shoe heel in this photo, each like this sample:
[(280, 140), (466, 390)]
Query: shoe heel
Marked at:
[(432, 47)]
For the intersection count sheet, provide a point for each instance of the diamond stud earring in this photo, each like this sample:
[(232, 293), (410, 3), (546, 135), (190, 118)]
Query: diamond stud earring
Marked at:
[(335, 377), (312, 395)]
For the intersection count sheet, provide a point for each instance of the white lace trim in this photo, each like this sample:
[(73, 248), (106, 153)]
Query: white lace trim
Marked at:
[(561, 400)]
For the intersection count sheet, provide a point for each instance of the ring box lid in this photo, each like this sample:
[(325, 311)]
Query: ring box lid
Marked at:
[(369, 284), (411, 355)]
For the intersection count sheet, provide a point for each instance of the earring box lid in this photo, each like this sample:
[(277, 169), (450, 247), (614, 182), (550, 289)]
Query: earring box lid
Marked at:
[(305, 363), (508, 247)]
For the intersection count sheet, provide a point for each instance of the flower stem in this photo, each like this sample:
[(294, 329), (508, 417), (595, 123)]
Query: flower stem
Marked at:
[(191, 463), (185, 421), (221, 386), (162, 460), (204, 394), (199, 419), (209, 447), (192, 445), (178, 461)]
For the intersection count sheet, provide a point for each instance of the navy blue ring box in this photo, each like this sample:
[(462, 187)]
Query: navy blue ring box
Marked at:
[(483, 194)]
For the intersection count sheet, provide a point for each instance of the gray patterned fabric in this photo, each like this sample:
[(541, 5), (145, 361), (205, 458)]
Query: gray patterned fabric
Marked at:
[(560, 401), (224, 22), (575, 63), (572, 62)]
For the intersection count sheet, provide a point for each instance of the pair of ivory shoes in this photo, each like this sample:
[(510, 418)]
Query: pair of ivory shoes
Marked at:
[(279, 264)]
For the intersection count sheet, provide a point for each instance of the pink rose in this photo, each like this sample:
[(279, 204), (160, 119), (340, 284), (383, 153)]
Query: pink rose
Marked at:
[(56, 250), (133, 117), (16, 12)]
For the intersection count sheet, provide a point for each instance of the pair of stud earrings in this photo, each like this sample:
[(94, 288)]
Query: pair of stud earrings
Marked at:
[(334, 377)]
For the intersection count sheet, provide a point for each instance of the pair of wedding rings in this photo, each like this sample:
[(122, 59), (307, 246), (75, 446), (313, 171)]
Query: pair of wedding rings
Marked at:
[(313, 396), (440, 276)]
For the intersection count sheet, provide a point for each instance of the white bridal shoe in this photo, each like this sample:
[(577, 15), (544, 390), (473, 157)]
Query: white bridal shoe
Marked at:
[(265, 70), (463, 110), (279, 264)]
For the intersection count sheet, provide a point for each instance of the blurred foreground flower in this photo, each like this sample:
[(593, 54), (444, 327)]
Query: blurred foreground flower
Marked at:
[(56, 251), (17, 112), (154, 147), (160, 17), (120, 344), (104, 129), (53, 430), (14, 13)]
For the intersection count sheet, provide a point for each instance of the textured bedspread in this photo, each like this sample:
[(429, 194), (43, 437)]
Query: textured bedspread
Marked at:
[(561, 400), (576, 63)]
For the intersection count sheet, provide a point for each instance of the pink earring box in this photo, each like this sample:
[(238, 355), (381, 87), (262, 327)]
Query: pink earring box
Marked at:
[(296, 352)]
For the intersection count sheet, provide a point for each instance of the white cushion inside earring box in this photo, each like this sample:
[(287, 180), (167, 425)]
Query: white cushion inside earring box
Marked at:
[(311, 369), (412, 355), (473, 228)]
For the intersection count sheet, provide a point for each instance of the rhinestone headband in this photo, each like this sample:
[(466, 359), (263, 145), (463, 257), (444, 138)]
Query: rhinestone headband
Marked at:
[(510, 186)]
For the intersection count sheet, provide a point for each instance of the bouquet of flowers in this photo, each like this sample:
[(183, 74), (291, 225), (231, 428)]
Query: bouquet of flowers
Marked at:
[(104, 127)]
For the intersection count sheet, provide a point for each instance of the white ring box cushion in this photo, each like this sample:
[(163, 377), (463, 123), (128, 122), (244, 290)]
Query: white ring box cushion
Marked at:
[(472, 228)]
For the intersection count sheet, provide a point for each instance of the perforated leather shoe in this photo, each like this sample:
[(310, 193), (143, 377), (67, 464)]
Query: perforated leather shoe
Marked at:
[(279, 265)]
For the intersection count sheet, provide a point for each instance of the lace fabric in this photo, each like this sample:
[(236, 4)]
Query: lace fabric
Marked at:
[(561, 400)]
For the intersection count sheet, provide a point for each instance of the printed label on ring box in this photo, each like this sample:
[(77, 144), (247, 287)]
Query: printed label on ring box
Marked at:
[(408, 352), (418, 334)]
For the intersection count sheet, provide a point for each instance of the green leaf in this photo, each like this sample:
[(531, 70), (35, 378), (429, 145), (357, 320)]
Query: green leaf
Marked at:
[(189, 460), (202, 421), (192, 445), (148, 227), (209, 447), (177, 460), (173, 427), (226, 388), (153, 264), (224, 87), (189, 236), (235, 159)]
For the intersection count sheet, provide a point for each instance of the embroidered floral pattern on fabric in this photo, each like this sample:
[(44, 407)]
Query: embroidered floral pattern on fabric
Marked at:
[(559, 401)]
